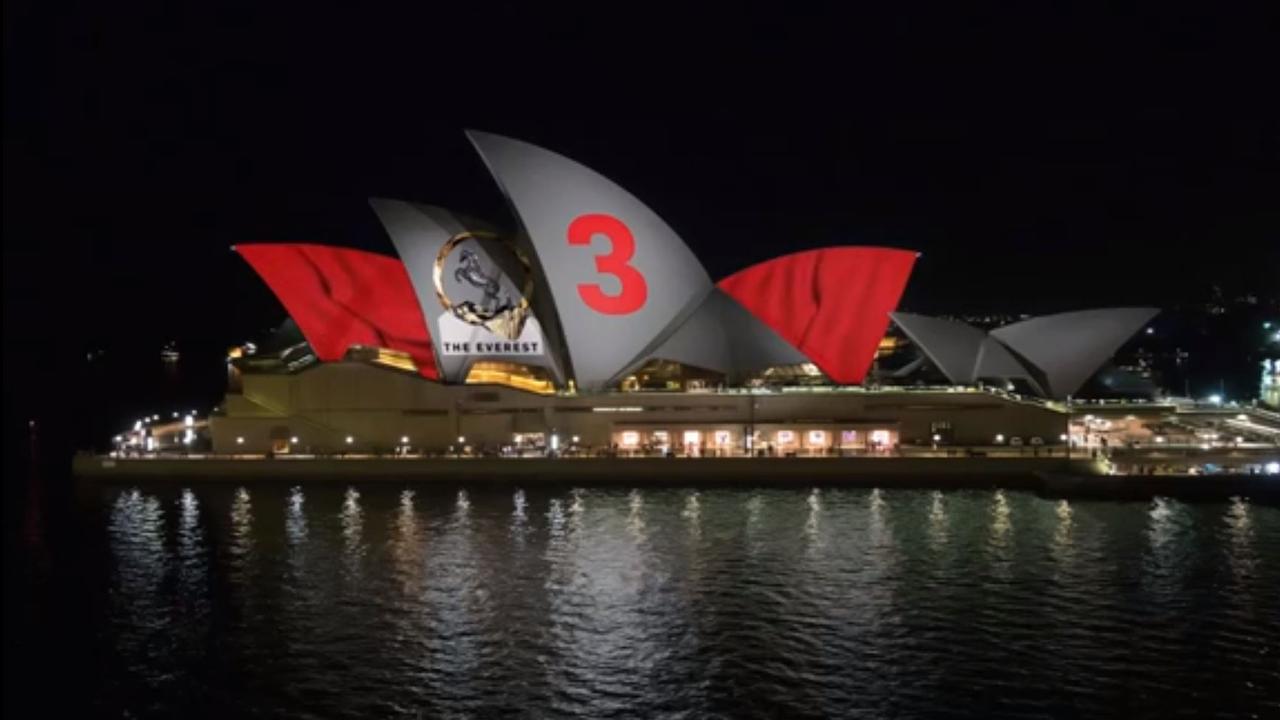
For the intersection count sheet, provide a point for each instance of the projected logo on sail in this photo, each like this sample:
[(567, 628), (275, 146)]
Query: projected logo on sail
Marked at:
[(485, 313)]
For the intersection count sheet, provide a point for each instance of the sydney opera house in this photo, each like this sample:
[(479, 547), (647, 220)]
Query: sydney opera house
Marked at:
[(593, 328)]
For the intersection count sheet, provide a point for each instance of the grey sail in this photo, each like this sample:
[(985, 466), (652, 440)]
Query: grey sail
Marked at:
[(1070, 347), (722, 335), (418, 233), (619, 275), (952, 346)]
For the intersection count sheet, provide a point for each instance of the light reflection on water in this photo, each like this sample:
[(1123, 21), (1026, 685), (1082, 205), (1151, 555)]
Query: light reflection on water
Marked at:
[(384, 601)]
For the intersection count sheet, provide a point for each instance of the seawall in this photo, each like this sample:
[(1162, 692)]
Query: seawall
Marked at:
[(1048, 476)]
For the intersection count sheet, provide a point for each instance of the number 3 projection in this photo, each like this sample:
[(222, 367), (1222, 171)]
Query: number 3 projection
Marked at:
[(622, 246)]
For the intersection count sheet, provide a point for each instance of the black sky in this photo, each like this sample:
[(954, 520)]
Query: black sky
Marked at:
[(1040, 160)]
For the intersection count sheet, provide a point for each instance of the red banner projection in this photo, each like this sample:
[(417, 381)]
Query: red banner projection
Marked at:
[(832, 304), (341, 297)]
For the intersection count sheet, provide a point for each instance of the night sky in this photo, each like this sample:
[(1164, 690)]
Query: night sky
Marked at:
[(1039, 161)]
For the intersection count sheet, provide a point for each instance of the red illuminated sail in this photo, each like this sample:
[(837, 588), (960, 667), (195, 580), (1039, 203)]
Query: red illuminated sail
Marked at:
[(832, 304), (341, 297)]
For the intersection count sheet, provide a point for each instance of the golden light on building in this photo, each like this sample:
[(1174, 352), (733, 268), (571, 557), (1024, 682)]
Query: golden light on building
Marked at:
[(514, 375), (395, 359), (888, 346)]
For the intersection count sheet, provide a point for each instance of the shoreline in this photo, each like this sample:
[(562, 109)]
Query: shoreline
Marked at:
[(1049, 477)]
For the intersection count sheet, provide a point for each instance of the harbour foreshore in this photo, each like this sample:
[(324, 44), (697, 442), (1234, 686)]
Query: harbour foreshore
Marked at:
[(1050, 476)]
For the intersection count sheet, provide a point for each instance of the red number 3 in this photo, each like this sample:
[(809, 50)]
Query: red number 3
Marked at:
[(635, 291)]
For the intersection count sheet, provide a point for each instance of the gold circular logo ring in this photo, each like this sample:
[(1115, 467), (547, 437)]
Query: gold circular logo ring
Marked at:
[(468, 313)]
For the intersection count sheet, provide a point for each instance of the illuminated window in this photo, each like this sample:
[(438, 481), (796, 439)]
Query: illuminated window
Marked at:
[(848, 437), (723, 438), (661, 438), (817, 437), (880, 437), (785, 436), (692, 437), (395, 359), (630, 438), (513, 375)]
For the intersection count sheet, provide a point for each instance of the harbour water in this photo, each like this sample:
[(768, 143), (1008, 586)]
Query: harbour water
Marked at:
[(386, 600)]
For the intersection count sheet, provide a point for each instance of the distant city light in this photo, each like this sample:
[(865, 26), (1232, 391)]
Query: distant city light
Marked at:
[(239, 439), (137, 424), (404, 439), (293, 440), (1215, 399), (936, 437), (1151, 331), (189, 421), (1159, 438), (575, 439), (461, 439), (1273, 468), (999, 438), (1063, 437), (350, 439)]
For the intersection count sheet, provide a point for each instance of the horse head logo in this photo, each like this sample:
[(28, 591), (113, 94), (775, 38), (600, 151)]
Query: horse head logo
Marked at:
[(496, 313)]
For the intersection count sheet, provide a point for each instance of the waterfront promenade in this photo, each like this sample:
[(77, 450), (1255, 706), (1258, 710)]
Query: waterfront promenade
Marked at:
[(1083, 477)]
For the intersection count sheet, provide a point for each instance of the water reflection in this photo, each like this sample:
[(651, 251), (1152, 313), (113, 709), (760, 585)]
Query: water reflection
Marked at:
[(692, 513), (597, 603), (755, 504), (352, 519), (1062, 531), (520, 529), (1239, 522), (811, 526), (462, 508), (555, 518), (1168, 535), (406, 544), (519, 503), (1001, 519), (192, 563), (295, 519), (139, 611), (881, 537), (1160, 528), (635, 515), (937, 521), (241, 548)]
